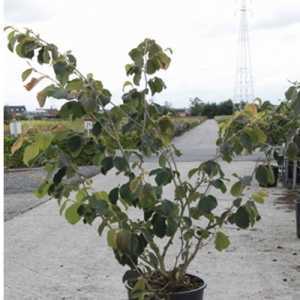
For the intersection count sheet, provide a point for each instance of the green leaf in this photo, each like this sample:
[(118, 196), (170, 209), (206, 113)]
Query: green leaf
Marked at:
[(43, 140), (172, 226), (41, 98), (74, 85), (237, 202), (43, 56), (241, 218), (156, 85), (262, 175), (59, 175), (162, 160), (114, 195), (62, 71), (107, 164), (126, 83), (120, 163), (168, 208), (219, 184), (72, 109), (112, 238), (211, 168), (159, 225), (42, 190), (31, 152), (164, 176), (221, 241), (26, 74), (259, 197), (72, 215), (75, 144), (147, 197), (97, 129), (192, 172), (207, 203), (260, 135), (237, 189), (166, 127), (290, 92), (89, 103)]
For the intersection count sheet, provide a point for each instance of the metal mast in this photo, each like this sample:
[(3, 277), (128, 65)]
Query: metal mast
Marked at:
[(244, 87)]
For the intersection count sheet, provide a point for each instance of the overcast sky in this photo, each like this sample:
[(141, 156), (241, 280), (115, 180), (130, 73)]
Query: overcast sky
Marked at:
[(202, 33)]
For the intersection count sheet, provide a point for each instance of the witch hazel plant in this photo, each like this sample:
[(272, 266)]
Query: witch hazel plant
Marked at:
[(122, 136)]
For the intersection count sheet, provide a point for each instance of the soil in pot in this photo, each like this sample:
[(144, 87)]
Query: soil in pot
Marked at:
[(189, 288)]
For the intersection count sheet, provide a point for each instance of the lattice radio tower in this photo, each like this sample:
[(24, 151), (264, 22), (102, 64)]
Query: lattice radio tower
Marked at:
[(244, 87)]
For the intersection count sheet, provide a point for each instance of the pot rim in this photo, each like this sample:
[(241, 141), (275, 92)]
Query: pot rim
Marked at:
[(202, 287)]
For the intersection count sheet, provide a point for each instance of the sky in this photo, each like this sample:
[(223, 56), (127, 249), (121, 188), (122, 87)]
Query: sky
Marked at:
[(202, 34)]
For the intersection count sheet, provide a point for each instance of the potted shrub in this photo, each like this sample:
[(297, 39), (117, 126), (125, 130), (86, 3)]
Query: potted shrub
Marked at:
[(122, 135)]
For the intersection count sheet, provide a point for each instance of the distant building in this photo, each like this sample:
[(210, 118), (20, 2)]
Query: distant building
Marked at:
[(16, 110), (182, 112), (44, 113)]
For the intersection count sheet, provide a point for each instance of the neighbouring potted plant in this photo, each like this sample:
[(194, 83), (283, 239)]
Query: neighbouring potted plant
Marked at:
[(122, 135)]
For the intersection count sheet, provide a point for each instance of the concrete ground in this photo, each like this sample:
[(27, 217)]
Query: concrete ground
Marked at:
[(46, 258)]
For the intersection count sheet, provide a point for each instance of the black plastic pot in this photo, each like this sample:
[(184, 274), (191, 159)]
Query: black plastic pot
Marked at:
[(196, 294), (291, 172), (298, 217)]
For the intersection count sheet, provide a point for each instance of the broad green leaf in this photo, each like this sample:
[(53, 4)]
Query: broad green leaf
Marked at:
[(114, 195), (75, 144), (107, 164), (72, 215), (290, 92), (59, 175), (219, 184), (26, 74), (74, 85), (237, 189), (31, 152), (42, 190), (221, 241), (261, 175), (159, 225), (126, 83), (120, 163), (112, 238), (44, 140), (72, 109), (147, 197), (207, 203), (156, 85), (259, 197), (192, 172), (41, 98), (242, 218)]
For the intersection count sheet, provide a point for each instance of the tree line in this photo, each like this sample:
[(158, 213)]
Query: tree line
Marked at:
[(210, 110)]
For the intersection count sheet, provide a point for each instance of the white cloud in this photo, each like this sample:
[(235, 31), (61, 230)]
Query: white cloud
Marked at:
[(201, 32)]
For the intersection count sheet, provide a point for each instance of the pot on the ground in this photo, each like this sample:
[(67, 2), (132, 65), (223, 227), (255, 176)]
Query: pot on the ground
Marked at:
[(195, 294), (298, 217)]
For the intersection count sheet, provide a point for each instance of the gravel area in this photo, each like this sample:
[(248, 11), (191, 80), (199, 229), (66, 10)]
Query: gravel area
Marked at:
[(47, 258), (25, 181)]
